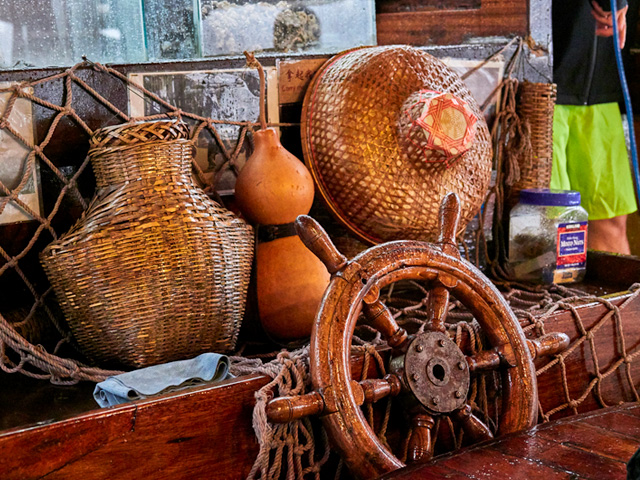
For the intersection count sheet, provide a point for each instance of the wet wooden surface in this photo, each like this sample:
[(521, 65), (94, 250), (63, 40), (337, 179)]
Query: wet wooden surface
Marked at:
[(201, 433), (594, 446)]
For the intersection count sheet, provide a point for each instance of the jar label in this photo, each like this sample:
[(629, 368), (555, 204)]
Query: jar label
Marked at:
[(571, 245)]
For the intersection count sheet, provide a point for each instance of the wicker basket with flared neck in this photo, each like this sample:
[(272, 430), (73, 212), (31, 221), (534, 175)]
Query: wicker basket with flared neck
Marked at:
[(155, 270)]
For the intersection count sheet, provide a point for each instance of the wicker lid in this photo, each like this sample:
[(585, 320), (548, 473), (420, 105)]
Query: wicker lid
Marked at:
[(137, 150), (387, 132), (139, 132)]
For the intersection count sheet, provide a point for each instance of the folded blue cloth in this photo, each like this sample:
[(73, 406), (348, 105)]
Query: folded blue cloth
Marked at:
[(142, 383)]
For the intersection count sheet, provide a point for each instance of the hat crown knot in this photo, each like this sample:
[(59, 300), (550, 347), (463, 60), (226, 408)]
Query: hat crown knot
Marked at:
[(436, 126)]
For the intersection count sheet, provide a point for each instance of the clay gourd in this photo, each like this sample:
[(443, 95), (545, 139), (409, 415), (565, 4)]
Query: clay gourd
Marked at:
[(272, 189)]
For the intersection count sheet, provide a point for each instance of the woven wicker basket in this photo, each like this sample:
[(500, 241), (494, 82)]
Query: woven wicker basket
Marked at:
[(536, 102), (379, 185), (154, 271)]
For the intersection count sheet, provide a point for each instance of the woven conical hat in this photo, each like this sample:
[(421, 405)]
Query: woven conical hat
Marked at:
[(379, 185)]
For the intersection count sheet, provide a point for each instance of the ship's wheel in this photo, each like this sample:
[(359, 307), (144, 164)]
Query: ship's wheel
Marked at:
[(428, 369)]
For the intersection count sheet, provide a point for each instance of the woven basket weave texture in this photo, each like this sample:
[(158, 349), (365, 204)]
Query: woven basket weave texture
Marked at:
[(374, 181), (155, 270), (536, 102)]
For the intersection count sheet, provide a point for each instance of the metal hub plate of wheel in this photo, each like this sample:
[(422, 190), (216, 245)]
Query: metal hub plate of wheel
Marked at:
[(437, 373)]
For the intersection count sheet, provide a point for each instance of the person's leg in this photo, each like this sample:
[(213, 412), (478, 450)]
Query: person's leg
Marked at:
[(609, 235)]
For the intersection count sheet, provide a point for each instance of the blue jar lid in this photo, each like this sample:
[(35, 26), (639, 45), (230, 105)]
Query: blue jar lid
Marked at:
[(546, 196)]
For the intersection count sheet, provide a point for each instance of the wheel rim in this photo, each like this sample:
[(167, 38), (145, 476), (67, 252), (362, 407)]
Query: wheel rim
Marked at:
[(336, 320)]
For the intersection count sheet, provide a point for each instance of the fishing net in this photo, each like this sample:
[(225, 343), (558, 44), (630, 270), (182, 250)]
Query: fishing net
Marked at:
[(33, 319), (35, 342), (290, 451)]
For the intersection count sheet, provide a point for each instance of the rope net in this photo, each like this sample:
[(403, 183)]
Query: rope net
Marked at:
[(290, 450), (21, 327), (35, 342)]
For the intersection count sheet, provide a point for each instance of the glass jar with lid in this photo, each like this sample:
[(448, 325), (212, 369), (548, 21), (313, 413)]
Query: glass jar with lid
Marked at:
[(548, 236)]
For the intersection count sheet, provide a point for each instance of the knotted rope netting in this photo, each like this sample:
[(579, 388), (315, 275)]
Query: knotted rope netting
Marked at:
[(292, 450), (289, 450), (16, 353)]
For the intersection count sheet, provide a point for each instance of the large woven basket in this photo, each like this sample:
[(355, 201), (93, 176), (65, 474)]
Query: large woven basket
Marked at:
[(535, 105), (380, 186), (155, 271)]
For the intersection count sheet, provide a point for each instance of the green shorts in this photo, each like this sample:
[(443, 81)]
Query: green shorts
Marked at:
[(590, 156)]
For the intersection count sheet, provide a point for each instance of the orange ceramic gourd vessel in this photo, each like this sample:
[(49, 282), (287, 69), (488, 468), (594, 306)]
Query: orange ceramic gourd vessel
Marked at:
[(273, 188)]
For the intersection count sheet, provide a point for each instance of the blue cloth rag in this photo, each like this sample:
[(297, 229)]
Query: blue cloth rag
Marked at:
[(142, 383)]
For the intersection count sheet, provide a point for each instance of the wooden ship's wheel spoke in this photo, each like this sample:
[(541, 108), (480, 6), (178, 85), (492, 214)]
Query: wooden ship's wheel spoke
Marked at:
[(474, 429), (438, 301), (379, 317), (421, 443), (546, 345)]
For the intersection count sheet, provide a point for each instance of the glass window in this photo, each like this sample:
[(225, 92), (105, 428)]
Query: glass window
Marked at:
[(43, 33), (285, 26)]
